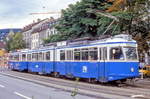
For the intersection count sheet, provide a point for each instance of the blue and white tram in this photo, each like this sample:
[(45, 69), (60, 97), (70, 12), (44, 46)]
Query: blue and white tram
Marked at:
[(104, 60), (108, 60), (17, 61), (41, 61), (13, 60)]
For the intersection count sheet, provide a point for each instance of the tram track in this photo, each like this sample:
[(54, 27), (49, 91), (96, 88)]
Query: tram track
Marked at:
[(111, 90)]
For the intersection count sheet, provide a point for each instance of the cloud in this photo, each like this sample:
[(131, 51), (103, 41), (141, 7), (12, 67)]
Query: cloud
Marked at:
[(15, 13)]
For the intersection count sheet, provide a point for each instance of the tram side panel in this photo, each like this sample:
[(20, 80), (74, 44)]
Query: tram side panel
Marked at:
[(134, 69), (60, 65), (75, 67), (49, 67), (36, 66), (49, 61), (85, 69), (102, 72), (15, 65), (11, 65), (22, 65), (121, 70), (42, 62), (123, 63)]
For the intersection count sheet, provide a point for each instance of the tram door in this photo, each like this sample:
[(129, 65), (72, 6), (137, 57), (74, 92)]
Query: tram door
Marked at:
[(69, 58), (102, 63)]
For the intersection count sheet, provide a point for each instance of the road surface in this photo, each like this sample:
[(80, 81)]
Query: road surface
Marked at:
[(12, 88)]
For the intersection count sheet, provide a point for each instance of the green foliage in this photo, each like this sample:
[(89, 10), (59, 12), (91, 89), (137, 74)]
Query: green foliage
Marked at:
[(77, 21), (140, 26), (55, 38), (82, 20), (15, 42)]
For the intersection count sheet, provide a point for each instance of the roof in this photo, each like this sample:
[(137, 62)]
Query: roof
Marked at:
[(48, 23)]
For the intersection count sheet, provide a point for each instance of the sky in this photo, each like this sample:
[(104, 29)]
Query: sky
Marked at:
[(16, 13)]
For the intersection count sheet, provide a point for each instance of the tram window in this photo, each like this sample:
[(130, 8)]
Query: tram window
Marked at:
[(85, 54), (105, 53), (76, 49), (131, 53), (62, 55), (93, 54), (69, 55), (29, 57), (116, 53), (16, 57), (40, 56), (77, 54), (23, 57), (35, 56), (100, 53), (47, 55)]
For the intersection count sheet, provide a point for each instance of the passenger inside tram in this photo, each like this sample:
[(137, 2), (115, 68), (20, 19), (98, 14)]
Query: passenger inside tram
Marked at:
[(116, 53)]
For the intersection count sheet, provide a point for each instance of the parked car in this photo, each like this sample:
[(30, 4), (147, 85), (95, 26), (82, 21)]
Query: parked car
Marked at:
[(145, 71)]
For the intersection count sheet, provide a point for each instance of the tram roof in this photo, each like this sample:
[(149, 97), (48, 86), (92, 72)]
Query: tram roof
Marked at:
[(118, 39)]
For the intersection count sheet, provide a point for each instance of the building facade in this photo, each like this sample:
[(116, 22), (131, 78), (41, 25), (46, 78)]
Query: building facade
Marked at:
[(35, 33)]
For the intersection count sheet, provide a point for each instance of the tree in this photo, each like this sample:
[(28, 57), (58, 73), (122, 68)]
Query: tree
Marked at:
[(134, 20), (85, 19), (77, 21), (15, 42), (140, 24), (55, 38)]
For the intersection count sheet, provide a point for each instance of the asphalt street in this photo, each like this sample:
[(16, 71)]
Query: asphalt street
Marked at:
[(11, 88)]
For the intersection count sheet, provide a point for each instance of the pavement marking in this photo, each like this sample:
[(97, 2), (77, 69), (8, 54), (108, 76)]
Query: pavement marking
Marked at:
[(137, 96), (2, 86), (21, 95)]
